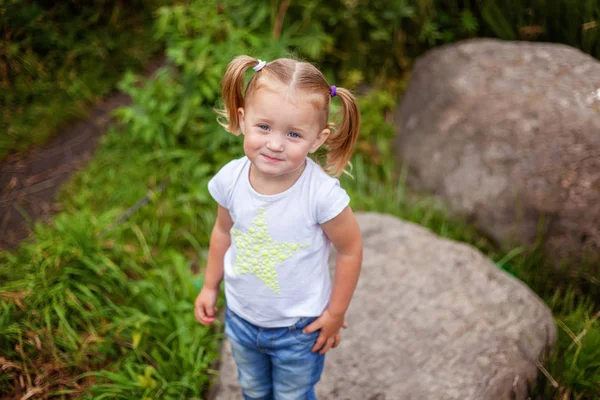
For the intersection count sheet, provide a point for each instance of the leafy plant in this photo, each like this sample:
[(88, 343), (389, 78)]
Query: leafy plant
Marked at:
[(564, 21), (58, 57)]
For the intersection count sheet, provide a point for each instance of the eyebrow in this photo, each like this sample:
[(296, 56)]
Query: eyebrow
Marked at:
[(261, 117)]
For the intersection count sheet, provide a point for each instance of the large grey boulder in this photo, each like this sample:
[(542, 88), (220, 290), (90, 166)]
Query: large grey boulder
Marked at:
[(509, 135), (431, 319)]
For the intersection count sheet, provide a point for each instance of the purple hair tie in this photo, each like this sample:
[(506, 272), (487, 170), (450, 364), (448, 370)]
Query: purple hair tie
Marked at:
[(333, 91)]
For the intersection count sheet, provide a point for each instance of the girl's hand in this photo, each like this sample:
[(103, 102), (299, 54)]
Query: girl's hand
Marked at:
[(204, 307), (330, 336)]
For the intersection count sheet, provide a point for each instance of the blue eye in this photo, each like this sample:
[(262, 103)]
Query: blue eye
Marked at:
[(264, 127), (294, 135)]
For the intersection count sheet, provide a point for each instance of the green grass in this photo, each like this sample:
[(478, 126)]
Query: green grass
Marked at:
[(109, 310)]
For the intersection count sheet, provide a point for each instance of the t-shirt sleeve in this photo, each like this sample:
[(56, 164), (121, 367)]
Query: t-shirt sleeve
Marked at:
[(332, 199), (220, 185)]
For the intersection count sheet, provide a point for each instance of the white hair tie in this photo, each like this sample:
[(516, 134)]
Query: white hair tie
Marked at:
[(260, 65)]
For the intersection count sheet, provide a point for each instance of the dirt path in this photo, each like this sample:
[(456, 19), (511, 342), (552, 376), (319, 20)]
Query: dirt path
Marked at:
[(29, 181)]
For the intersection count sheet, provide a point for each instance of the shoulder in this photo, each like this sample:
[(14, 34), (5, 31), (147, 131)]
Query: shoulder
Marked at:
[(220, 185), (318, 175), (329, 197), (233, 167), (320, 181), (230, 171)]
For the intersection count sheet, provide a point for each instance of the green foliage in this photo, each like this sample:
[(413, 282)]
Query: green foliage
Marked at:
[(382, 38), (571, 22), (58, 57), (378, 37), (175, 110)]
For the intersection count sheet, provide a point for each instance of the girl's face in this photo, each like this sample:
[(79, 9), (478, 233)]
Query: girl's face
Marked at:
[(280, 128)]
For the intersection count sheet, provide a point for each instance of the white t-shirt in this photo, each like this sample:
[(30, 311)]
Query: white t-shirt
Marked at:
[(276, 266)]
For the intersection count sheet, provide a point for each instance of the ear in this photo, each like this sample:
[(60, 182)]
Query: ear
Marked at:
[(241, 118), (321, 138)]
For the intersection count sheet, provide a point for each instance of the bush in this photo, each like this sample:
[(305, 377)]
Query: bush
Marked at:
[(58, 57)]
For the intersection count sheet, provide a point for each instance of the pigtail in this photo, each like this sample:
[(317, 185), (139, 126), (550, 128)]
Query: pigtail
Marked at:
[(233, 92), (340, 143)]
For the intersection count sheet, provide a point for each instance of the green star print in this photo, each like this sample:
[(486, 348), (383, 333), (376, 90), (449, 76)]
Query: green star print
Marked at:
[(257, 253)]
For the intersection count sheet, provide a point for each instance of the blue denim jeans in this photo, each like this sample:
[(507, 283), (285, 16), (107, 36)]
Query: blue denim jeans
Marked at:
[(274, 363)]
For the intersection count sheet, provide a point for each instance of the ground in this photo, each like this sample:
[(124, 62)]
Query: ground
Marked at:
[(29, 181)]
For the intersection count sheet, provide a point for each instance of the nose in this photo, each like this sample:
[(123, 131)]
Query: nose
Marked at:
[(275, 143)]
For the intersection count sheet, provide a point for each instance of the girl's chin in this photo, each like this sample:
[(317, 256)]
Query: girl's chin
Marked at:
[(274, 170)]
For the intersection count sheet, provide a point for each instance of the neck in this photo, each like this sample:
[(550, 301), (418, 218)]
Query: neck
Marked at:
[(269, 185)]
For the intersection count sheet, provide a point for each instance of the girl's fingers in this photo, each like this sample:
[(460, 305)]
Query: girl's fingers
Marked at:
[(210, 311), (315, 325), (336, 341), (198, 313), (203, 316), (319, 343), (328, 344)]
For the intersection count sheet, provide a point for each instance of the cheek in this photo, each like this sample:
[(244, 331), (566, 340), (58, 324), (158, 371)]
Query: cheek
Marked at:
[(251, 141), (299, 151)]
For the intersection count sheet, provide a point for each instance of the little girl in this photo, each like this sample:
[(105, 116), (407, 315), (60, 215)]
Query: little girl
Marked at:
[(278, 212)]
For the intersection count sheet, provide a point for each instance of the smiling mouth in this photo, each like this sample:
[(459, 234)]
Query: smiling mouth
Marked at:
[(271, 159)]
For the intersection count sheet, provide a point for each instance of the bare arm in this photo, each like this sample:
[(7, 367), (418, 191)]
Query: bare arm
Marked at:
[(219, 243), (344, 233)]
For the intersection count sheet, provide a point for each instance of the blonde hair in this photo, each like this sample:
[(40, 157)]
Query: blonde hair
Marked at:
[(298, 75)]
